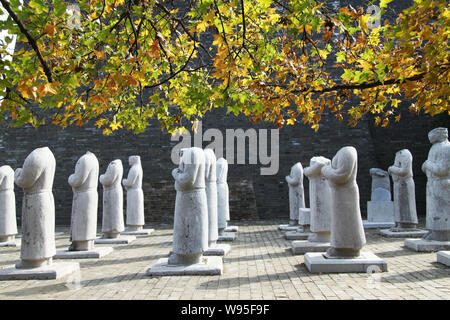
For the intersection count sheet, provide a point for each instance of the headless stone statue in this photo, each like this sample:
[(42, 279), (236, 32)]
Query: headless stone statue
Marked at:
[(211, 196), (84, 182), (8, 225), (135, 195), (347, 232), (320, 200), (112, 222), (404, 194), (190, 231), (381, 185), (38, 209), (223, 208), (437, 169), (296, 193)]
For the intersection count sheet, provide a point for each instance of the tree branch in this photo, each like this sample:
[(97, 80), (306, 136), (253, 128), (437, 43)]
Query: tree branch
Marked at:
[(30, 39)]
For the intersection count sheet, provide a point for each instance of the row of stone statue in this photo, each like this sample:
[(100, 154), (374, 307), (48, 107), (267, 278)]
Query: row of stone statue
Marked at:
[(335, 218), (38, 207)]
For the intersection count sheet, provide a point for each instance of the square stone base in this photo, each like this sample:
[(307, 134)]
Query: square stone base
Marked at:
[(143, 232), (422, 245), (231, 229), (96, 253), (208, 266), (227, 237), (373, 225), (443, 257), (366, 262), (296, 235), (217, 250), (402, 234), (55, 271), (13, 243), (286, 227), (305, 246), (121, 240)]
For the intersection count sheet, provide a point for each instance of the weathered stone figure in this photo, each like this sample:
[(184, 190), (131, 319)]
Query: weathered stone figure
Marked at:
[(347, 232), (112, 222), (135, 195), (8, 224), (190, 232), (296, 192), (211, 196), (381, 185), (38, 208), (84, 182), (437, 169), (223, 208), (404, 194), (319, 199)]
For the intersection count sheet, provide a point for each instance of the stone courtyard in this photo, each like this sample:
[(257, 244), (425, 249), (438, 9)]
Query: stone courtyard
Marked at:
[(259, 266)]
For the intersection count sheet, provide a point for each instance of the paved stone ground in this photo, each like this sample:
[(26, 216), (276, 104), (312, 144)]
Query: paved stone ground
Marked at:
[(260, 265)]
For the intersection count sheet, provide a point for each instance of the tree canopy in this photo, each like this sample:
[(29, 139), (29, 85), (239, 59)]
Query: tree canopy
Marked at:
[(120, 63)]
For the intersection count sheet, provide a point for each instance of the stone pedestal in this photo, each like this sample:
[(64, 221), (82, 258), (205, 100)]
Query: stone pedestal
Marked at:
[(422, 245), (122, 239), (226, 237), (95, 253), (208, 266), (217, 250), (380, 214), (53, 271), (443, 257), (9, 242), (142, 232), (367, 262), (305, 246), (299, 234), (231, 229), (288, 227), (389, 233)]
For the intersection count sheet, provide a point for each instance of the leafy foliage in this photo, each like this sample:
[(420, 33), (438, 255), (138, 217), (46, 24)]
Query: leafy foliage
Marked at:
[(128, 61)]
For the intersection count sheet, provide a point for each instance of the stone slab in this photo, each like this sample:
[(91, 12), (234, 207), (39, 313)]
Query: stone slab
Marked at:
[(209, 266), (286, 227), (55, 271), (402, 234), (422, 245), (218, 250), (13, 243), (227, 237), (315, 262), (231, 229), (121, 240), (443, 257), (305, 246), (96, 253), (143, 232), (380, 211), (296, 235), (374, 225)]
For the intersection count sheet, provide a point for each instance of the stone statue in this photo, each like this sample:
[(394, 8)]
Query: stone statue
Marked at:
[(135, 195), (381, 185), (190, 231), (84, 182), (211, 196), (38, 208), (223, 208), (347, 232), (8, 224), (404, 193), (319, 198), (296, 193), (112, 222), (437, 169)]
